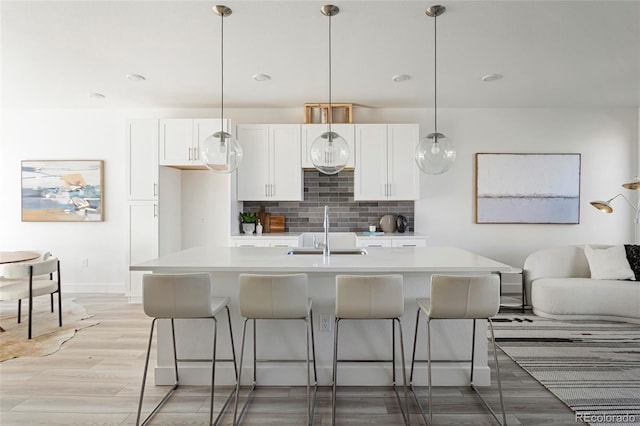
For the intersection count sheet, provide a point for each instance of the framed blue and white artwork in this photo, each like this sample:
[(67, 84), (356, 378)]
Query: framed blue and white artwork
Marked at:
[(527, 188), (62, 191)]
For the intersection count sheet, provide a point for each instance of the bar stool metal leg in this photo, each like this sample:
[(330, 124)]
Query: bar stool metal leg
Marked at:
[(405, 412), (335, 372), (237, 418), (473, 386), (144, 377)]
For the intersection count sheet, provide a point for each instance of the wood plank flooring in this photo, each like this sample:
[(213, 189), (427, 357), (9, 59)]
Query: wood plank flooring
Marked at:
[(95, 380)]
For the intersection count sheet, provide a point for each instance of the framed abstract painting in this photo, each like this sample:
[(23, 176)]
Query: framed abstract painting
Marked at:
[(527, 188), (62, 191)]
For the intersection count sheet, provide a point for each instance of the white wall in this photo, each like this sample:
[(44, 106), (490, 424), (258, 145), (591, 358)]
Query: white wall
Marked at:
[(607, 139)]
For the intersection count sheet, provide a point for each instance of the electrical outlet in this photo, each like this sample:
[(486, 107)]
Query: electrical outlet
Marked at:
[(325, 322), (85, 263)]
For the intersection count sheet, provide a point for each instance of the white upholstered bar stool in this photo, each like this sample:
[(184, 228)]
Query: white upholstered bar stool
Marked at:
[(183, 296), (370, 297), (460, 297), (275, 297)]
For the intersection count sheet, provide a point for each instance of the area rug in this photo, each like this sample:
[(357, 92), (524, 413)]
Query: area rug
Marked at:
[(47, 337), (592, 366)]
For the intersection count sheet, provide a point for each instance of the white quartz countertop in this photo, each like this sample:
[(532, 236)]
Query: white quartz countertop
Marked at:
[(275, 260)]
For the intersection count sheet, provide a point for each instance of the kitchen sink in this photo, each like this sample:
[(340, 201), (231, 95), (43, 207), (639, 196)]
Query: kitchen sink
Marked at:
[(313, 250)]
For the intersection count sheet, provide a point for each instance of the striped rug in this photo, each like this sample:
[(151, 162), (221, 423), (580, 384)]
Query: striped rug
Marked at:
[(592, 366)]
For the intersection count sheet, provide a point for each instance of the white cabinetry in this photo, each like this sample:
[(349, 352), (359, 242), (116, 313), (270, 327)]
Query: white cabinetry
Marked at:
[(264, 242), (142, 159), (182, 138), (406, 242), (142, 196), (374, 242), (311, 131), (392, 241), (142, 241), (270, 168), (385, 165)]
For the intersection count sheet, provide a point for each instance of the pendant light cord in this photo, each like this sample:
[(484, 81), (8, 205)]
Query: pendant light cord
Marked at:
[(329, 112), (222, 74), (435, 75)]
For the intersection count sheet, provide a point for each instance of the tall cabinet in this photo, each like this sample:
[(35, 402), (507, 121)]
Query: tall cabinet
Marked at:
[(142, 181), (385, 166)]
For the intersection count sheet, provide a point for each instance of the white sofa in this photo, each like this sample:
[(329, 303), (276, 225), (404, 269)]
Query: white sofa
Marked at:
[(558, 285)]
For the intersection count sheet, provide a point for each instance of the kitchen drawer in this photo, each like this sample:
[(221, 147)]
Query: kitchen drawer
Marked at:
[(408, 242)]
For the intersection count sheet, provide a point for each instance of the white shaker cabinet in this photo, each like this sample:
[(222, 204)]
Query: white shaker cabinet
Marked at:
[(176, 142), (181, 140), (142, 179), (385, 166), (142, 159), (264, 241), (142, 242), (270, 168), (311, 131)]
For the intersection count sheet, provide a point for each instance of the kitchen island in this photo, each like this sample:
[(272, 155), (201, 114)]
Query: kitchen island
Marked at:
[(358, 339)]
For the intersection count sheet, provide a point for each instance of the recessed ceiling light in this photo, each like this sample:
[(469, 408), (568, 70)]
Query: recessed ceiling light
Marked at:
[(261, 77), (136, 77), (491, 77), (96, 95), (400, 78)]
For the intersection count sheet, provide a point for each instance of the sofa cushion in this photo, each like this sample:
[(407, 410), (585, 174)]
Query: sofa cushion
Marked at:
[(609, 264), (607, 299), (633, 257)]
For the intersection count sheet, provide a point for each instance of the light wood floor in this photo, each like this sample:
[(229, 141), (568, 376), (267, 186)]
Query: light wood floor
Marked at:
[(95, 379)]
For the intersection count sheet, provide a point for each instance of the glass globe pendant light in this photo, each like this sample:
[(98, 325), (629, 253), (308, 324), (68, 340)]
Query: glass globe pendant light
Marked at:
[(435, 153), (221, 153), (329, 151)]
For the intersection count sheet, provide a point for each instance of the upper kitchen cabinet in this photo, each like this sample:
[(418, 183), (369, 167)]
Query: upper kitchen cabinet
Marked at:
[(270, 169), (311, 131), (385, 166), (181, 139), (142, 159)]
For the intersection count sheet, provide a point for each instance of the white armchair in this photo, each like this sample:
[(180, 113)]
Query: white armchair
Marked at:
[(27, 280)]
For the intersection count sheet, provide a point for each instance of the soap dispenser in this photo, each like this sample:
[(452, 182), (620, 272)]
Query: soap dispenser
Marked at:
[(259, 228)]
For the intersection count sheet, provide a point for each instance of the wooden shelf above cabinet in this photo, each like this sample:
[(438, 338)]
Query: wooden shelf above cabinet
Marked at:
[(319, 113)]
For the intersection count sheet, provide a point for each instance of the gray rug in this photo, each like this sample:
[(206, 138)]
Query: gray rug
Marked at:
[(592, 366)]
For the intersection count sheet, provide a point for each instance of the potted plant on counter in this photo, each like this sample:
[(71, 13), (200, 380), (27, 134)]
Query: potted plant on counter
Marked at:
[(248, 221)]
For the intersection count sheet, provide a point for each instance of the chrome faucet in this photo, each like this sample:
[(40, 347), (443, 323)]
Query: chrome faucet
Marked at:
[(326, 251)]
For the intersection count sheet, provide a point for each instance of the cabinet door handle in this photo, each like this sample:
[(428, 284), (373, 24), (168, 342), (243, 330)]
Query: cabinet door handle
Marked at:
[(266, 191), (155, 189), (196, 153), (375, 245), (273, 189), (155, 210)]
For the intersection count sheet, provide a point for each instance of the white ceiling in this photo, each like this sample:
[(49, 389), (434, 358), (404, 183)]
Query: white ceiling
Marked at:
[(551, 53)]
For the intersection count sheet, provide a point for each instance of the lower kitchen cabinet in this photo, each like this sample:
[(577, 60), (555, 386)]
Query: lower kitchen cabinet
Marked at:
[(142, 233), (264, 242), (392, 241)]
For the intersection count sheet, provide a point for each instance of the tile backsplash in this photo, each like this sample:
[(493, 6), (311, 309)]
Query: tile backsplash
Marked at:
[(335, 191)]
